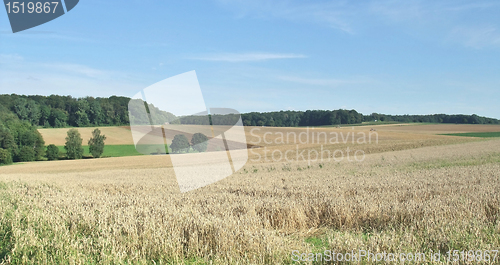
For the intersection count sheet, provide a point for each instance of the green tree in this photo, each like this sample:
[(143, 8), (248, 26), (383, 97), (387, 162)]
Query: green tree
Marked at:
[(199, 142), (73, 146), (34, 113), (27, 109), (34, 140), (26, 154), (270, 122), (180, 144), (96, 143), (52, 152), (44, 116), (20, 109), (58, 118), (5, 157), (81, 115), (82, 119), (96, 115), (7, 141)]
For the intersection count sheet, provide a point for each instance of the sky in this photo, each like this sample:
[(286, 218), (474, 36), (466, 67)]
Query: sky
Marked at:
[(392, 57)]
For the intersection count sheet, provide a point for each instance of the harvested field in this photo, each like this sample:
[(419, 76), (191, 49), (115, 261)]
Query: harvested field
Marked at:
[(114, 135), (122, 135), (438, 128)]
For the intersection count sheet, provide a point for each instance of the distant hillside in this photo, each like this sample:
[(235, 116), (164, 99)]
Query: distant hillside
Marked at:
[(63, 111)]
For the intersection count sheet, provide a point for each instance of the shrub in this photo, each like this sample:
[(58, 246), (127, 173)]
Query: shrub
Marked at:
[(199, 142), (96, 143), (73, 146), (52, 152), (180, 144), (26, 154), (5, 157)]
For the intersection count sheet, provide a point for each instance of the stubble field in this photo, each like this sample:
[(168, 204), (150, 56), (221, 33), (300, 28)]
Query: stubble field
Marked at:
[(413, 192)]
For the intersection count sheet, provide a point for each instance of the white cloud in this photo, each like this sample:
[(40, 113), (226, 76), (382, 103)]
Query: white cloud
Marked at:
[(476, 37), (313, 81), (247, 57), (424, 19), (323, 81), (332, 14), (77, 69), (10, 58), (21, 76)]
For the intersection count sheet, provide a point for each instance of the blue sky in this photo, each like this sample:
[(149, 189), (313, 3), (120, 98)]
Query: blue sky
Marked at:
[(394, 57)]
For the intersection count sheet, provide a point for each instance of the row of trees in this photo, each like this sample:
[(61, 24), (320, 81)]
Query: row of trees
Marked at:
[(302, 118), (73, 146), (180, 143), (62, 111), (337, 117), (434, 118)]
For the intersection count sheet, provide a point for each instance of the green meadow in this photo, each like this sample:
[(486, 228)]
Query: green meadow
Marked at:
[(476, 134), (114, 151)]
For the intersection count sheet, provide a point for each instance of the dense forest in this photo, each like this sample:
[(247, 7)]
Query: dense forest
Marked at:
[(65, 111), (62, 111), (19, 140), (339, 117)]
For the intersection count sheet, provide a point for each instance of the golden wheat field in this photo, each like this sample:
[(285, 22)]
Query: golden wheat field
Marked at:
[(413, 192)]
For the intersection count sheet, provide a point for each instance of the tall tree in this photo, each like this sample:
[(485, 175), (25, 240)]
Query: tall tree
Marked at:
[(96, 143), (73, 146), (180, 144), (199, 141)]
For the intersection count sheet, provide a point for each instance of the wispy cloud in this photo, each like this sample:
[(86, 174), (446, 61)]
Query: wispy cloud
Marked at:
[(423, 19), (247, 57), (470, 6), (10, 58), (77, 69), (473, 25), (313, 81), (476, 37), (331, 14), (332, 82), (22, 76)]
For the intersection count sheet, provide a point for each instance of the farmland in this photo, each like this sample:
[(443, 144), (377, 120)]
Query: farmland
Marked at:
[(414, 191)]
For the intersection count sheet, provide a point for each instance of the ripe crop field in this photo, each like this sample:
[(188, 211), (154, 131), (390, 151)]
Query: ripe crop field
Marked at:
[(413, 192)]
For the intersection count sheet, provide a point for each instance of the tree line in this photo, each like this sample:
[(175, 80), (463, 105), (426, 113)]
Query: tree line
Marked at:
[(434, 118), (20, 141), (339, 117), (65, 111)]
